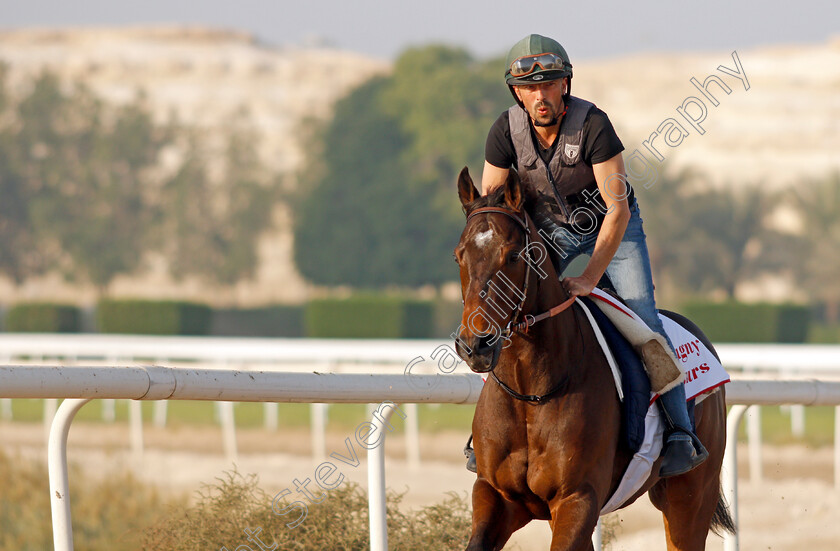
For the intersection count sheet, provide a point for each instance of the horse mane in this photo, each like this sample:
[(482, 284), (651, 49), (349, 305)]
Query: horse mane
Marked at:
[(495, 198)]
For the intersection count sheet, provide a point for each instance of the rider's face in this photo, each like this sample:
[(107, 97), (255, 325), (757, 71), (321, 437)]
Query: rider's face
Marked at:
[(543, 101)]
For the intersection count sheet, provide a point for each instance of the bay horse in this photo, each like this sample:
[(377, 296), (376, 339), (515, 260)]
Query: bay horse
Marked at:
[(546, 429)]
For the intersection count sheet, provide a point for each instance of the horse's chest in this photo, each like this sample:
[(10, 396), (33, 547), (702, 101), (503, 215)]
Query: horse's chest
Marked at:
[(532, 471)]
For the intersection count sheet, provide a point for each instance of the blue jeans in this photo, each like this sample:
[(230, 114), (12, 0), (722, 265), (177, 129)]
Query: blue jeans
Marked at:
[(630, 274)]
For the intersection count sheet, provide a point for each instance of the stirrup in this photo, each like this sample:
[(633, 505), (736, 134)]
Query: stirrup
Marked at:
[(681, 455), (469, 453)]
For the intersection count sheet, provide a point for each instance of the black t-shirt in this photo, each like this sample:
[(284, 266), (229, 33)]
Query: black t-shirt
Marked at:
[(599, 141)]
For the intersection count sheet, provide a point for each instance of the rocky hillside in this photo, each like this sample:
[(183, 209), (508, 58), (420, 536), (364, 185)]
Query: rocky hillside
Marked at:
[(205, 78), (777, 122), (766, 116)]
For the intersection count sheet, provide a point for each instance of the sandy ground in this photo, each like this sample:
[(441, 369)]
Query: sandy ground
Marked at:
[(795, 507)]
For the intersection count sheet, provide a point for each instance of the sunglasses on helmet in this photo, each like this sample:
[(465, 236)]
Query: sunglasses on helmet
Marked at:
[(527, 64)]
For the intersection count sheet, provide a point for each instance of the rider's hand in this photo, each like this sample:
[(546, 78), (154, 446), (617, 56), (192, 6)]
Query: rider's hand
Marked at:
[(578, 286)]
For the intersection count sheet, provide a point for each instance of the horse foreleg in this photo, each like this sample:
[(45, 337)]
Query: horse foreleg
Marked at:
[(573, 519), (494, 518)]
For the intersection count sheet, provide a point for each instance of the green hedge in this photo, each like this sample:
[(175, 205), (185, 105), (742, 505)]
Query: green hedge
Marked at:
[(760, 322), (152, 317), (43, 317), (369, 317), (271, 321), (824, 333), (447, 318)]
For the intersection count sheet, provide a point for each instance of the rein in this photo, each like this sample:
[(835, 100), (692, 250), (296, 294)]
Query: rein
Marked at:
[(528, 320), (522, 326), (530, 398)]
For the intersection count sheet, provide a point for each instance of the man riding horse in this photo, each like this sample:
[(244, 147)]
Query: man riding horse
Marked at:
[(568, 156)]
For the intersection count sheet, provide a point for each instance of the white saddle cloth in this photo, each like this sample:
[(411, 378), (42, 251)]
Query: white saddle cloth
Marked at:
[(703, 374)]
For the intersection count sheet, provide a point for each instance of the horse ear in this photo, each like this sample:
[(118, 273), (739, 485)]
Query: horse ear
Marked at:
[(466, 189), (513, 191)]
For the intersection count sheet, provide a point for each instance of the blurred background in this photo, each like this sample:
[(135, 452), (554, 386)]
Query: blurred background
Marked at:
[(287, 169), (239, 170)]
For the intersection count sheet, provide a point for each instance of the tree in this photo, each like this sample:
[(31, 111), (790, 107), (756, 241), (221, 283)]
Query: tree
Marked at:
[(83, 192), (703, 239), (209, 227), (20, 255), (818, 203), (359, 222), (86, 179), (379, 182)]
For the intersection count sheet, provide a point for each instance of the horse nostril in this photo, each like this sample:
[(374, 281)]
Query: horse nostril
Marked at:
[(485, 344), (462, 348)]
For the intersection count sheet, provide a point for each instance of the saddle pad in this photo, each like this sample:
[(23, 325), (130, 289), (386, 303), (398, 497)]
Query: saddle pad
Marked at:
[(703, 371), (634, 380), (706, 375)]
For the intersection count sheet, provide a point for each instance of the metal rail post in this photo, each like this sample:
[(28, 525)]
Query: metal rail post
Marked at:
[(377, 509), (159, 418), (57, 463), (797, 420), (729, 476), (228, 431), (412, 436), (318, 428), (270, 412), (754, 443), (135, 423), (837, 448)]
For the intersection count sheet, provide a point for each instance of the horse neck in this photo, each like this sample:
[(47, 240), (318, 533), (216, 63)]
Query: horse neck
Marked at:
[(544, 354)]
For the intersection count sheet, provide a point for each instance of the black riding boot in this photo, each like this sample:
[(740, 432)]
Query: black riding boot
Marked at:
[(470, 454), (683, 451)]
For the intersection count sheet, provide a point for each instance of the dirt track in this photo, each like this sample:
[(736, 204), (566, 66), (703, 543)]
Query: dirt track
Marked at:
[(795, 508)]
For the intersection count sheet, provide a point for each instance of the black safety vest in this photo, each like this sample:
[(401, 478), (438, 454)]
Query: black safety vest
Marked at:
[(559, 183)]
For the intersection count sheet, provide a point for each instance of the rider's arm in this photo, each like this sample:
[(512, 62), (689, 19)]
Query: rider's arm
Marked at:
[(498, 152), (493, 177), (614, 193)]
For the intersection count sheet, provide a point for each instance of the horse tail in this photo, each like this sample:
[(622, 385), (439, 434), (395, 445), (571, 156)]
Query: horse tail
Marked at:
[(722, 520)]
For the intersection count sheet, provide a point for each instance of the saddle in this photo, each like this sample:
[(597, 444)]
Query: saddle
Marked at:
[(626, 337), (635, 384)]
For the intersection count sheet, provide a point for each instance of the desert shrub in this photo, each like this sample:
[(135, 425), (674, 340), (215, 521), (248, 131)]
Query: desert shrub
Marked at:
[(338, 523), (107, 514)]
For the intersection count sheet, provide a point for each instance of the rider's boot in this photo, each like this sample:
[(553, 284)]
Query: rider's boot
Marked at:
[(683, 450), (470, 453)]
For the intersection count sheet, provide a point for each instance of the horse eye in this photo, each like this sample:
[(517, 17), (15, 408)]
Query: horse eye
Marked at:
[(512, 257)]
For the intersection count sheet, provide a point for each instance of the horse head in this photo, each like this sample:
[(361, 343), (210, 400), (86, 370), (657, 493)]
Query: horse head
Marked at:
[(495, 267)]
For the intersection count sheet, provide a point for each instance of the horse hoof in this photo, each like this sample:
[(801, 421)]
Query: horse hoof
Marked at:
[(680, 456)]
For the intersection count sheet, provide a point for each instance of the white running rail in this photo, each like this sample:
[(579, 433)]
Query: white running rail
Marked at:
[(78, 385)]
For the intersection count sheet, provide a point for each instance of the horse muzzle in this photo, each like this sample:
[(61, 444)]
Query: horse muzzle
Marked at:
[(480, 353)]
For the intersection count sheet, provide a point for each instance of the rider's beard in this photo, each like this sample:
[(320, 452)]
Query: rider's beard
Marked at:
[(549, 119)]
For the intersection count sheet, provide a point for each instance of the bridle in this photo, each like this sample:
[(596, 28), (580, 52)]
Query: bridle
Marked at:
[(528, 320), (512, 325)]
